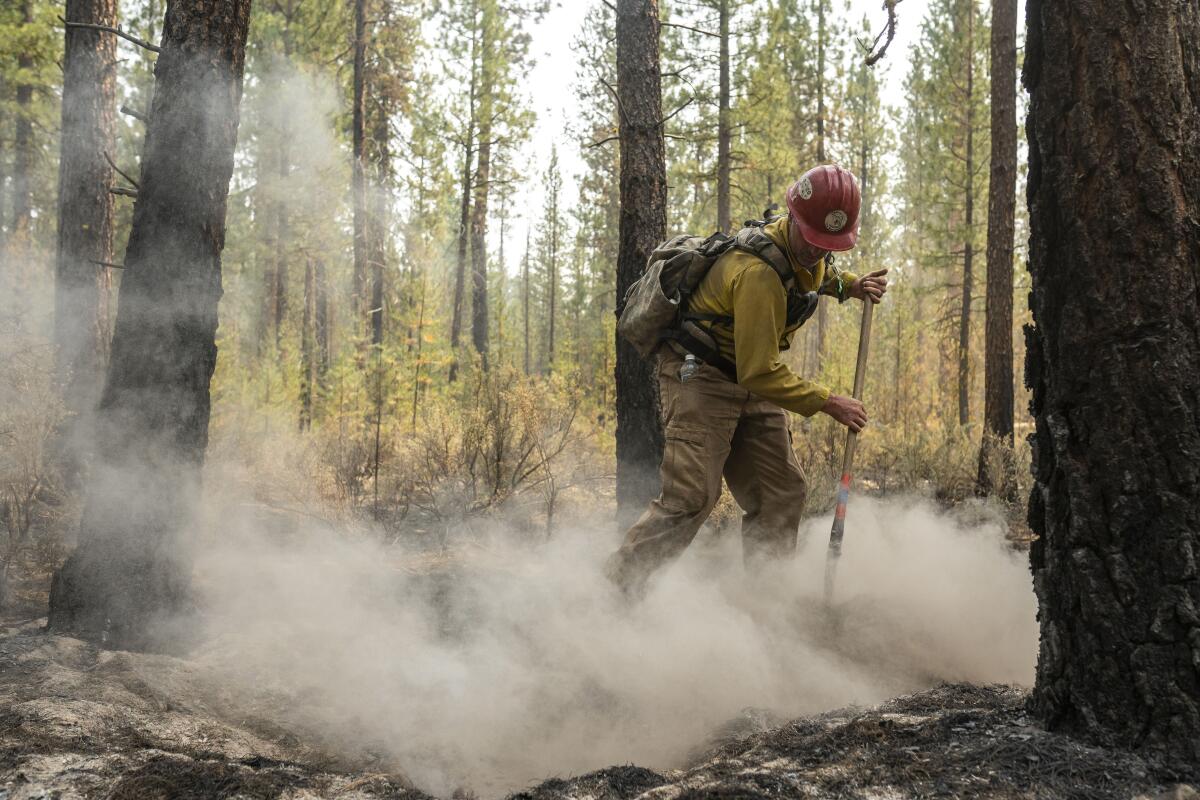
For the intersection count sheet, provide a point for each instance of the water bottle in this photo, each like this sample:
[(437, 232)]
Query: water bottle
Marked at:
[(689, 368)]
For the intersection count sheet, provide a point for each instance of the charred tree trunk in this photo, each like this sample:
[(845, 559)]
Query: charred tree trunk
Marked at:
[(1114, 364), (964, 318), (358, 137), (85, 220), (22, 192), (724, 222), (642, 225), (130, 574), (995, 468)]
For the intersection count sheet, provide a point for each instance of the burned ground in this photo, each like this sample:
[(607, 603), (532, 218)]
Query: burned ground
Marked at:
[(79, 721)]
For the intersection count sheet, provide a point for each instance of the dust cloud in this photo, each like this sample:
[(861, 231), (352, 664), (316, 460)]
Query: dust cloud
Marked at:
[(499, 663)]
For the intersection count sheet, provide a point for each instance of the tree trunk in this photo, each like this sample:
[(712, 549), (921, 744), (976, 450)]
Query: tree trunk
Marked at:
[(85, 220), (995, 468), (22, 192), (358, 137), (282, 233), (377, 245), (130, 575), (724, 223), (525, 300), (1114, 364), (322, 322), (822, 308), (479, 260), (464, 214), (964, 319), (307, 367), (643, 223)]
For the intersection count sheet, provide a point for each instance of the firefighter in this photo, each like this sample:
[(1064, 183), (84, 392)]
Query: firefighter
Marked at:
[(725, 415)]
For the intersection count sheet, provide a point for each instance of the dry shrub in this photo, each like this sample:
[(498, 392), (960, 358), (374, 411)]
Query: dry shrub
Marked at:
[(508, 441), (32, 502)]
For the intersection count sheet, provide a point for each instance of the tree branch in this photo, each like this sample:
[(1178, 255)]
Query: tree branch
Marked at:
[(876, 52), (119, 171), (127, 36), (127, 111), (697, 30), (121, 190), (106, 264)]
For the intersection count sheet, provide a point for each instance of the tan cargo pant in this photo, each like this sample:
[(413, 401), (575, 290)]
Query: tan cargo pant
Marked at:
[(714, 427)]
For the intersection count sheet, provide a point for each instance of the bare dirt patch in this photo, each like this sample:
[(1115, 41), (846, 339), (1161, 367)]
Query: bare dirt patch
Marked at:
[(78, 721)]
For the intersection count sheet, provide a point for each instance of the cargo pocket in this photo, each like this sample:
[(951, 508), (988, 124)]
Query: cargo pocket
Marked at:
[(685, 469)]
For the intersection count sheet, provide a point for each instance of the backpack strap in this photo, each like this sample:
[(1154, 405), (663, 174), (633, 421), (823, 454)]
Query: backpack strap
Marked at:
[(762, 247)]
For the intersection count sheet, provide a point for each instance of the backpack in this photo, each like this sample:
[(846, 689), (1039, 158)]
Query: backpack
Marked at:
[(655, 307)]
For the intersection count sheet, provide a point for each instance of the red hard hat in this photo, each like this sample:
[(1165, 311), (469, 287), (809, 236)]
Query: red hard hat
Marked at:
[(825, 204)]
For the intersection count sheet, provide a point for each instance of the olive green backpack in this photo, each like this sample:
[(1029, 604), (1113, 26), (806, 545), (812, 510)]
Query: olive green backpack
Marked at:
[(655, 307)]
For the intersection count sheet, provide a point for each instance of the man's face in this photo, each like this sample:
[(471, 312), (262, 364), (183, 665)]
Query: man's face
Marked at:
[(805, 253)]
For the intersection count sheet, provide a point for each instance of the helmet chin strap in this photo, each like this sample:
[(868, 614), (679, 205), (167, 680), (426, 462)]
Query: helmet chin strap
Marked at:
[(805, 253)]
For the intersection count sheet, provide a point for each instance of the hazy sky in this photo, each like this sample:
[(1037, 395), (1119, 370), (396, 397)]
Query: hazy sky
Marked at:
[(551, 86)]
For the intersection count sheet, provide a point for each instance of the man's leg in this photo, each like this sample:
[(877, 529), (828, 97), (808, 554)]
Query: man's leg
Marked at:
[(700, 417), (766, 479)]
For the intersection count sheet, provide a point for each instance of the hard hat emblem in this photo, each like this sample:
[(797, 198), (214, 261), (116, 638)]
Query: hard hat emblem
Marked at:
[(835, 221), (805, 188)]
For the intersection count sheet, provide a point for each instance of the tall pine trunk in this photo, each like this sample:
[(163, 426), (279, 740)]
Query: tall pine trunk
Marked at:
[(307, 365), (525, 301), (479, 257), (1114, 364), (464, 213), (129, 574), (358, 138), (822, 308), (643, 223), (995, 468), (23, 146), (723, 126), (377, 211), (964, 318), (85, 220)]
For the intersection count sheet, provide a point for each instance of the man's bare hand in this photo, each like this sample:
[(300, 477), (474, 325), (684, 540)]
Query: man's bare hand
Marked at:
[(873, 286), (846, 410)]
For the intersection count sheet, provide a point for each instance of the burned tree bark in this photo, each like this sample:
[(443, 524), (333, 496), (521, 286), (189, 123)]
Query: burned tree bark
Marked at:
[(1114, 364), (995, 467), (130, 574), (85, 219), (642, 225)]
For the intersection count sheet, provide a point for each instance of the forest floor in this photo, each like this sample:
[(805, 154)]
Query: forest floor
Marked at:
[(79, 721)]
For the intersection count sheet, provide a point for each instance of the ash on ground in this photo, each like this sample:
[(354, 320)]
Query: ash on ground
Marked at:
[(79, 721)]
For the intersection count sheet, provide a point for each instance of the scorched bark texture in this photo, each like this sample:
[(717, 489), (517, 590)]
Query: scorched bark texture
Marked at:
[(643, 224), (128, 573), (1114, 364)]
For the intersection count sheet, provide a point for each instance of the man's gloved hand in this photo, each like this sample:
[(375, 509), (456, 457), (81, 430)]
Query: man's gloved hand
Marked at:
[(846, 410), (873, 286)]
